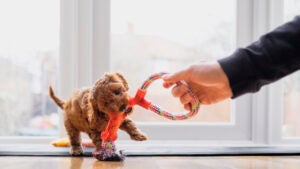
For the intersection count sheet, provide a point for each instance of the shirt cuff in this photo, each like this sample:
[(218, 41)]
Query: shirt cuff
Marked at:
[(240, 72)]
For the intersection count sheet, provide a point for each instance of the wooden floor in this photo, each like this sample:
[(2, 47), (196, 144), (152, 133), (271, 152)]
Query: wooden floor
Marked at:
[(241, 162)]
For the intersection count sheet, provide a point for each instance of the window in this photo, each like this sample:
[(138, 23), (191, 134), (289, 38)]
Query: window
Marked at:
[(138, 38), (28, 63), (100, 36), (291, 85), (154, 36)]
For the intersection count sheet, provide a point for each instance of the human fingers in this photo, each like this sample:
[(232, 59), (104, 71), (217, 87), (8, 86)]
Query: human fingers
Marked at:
[(186, 98), (176, 77), (167, 84), (180, 90), (187, 107)]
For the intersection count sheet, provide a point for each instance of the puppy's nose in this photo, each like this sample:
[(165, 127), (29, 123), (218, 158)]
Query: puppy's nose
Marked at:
[(123, 107)]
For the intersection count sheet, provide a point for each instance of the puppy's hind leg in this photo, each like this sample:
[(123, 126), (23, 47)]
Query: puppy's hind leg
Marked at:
[(128, 126), (75, 139)]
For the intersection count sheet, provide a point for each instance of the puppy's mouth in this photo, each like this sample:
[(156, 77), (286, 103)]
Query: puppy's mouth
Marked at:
[(119, 109), (125, 109), (128, 110), (122, 108)]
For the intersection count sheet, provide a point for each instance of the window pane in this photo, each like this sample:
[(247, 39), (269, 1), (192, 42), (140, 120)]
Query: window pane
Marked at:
[(291, 9), (291, 119), (28, 63), (168, 35)]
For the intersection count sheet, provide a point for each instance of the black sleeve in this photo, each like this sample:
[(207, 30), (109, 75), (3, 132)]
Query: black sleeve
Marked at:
[(273, 56)]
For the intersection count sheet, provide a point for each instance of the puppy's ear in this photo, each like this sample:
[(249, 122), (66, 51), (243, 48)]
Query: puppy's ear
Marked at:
[(93, 100), (108, 76), (123, 80), (93, 93), (94, 105)]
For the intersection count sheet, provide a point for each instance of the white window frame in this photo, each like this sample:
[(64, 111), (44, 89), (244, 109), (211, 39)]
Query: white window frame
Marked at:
[(84, 51), (81, 40), (275, 95), (267, 125), (266, 15)]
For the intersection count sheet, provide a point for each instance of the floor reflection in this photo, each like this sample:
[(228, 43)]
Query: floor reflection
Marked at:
[(76, 163), (201, 162), (108, 165)]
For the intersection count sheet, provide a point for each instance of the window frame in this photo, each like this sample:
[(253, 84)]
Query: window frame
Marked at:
[(84, 36), (268, 103), (84, 30), (277, 96)]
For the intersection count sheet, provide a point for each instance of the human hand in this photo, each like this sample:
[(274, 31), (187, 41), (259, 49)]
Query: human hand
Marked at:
[(206, 80)]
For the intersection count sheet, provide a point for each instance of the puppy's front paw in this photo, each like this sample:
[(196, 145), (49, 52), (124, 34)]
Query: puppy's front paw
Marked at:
[(76, 151), (139, 137)]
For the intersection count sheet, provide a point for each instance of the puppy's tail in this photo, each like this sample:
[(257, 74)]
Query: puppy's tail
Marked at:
[(57, 100)]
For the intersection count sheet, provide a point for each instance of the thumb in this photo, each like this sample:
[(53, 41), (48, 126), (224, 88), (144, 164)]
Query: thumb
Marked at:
[(175, 77)]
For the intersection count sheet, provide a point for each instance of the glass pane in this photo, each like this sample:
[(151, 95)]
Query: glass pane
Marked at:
[(28, 63), (167, 35), (291, 118), (291, 9)]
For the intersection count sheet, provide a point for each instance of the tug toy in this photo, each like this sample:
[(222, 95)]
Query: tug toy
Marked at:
[(109, 135), (107, 151)]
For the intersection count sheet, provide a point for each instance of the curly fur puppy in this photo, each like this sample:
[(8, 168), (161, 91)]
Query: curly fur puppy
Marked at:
[(85, 111)]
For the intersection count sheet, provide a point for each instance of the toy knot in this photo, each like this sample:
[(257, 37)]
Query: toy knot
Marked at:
[(115, 120), (139, 99)]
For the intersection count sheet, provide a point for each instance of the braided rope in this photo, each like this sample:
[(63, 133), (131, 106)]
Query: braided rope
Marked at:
[(107, 152), (156, 109)]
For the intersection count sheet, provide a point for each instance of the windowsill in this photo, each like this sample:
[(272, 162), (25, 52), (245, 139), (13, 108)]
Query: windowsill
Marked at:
[(25, 140), (153, 149)]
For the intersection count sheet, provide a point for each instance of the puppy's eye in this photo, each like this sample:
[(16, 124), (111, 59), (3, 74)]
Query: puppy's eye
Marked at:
[(116, 92)]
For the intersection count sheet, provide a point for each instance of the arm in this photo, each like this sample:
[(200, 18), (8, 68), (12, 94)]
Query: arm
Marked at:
[(273, 56)]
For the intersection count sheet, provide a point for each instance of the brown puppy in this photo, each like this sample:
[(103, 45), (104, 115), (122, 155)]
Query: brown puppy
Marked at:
[(85, 111)]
